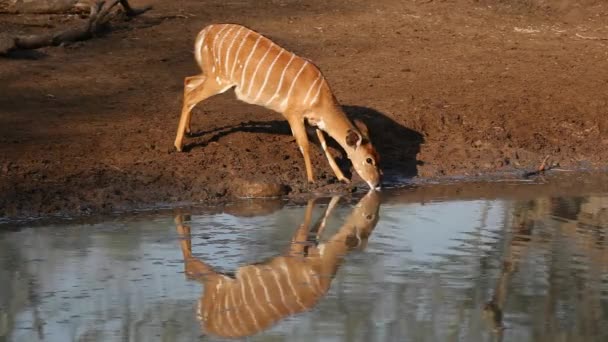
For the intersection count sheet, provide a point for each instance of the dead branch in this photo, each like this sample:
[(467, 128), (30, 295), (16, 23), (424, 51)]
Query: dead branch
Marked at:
[(590, 37), (99, 18)]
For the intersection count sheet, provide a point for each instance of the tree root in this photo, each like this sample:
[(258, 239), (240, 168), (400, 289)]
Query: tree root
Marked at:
[(99, 18)]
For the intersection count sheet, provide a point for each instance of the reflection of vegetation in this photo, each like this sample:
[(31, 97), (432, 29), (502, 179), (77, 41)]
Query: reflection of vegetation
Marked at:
[(15, 286), (566, 237)]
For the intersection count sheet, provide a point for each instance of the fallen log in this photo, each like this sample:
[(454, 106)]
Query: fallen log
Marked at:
[(99, 17)]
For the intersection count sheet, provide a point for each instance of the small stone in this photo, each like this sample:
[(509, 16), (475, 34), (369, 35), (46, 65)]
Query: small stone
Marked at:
[(244, 188)]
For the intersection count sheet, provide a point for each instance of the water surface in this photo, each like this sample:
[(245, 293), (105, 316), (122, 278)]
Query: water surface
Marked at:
[(520, 264)]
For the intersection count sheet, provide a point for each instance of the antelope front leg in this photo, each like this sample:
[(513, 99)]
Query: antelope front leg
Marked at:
[(300, 238), (299, 132), (320, 227), (330, 158)]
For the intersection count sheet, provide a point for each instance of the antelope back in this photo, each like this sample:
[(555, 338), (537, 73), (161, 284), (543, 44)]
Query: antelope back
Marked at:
[(262, 72), (259, 296)]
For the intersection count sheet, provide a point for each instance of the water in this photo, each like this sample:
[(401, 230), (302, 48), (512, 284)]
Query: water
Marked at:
[(511, 262)]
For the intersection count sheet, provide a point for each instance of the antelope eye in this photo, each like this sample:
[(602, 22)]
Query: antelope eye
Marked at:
[(369, 160), (369, 217)]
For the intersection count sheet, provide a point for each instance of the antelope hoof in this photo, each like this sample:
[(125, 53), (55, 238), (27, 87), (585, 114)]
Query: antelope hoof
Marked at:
[(345, 180), (178, 148)]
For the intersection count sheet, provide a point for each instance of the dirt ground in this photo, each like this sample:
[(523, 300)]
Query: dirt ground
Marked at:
[(448, 88)]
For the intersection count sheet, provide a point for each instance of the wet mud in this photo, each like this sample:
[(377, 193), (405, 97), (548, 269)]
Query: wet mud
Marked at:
[(448, 89)]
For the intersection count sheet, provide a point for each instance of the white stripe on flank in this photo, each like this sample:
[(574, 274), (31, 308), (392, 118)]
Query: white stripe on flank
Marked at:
[(236, 56), (217, 36), (227, 310), (255, 303), (276, 92), (230, 48), (268, 75), (311, 86), (286, 269), (216, 308), (293, 83), (312, 283), (245, 303), (258, 302), (281, 292), (266, 293), (255, 72), (221, 44), (314, 99), (247, 61)]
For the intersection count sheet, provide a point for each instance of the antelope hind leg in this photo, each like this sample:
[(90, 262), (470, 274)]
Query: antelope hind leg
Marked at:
[(196, 89)]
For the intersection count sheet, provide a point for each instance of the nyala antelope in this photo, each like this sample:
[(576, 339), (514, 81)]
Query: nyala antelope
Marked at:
[(265, 74), (260, 294)]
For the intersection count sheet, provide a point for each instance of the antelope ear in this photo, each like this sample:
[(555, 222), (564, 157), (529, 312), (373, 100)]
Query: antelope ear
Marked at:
[(353, 139), (362, 128)]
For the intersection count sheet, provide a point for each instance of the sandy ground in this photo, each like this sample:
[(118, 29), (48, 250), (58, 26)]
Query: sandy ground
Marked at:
[(448, 88)]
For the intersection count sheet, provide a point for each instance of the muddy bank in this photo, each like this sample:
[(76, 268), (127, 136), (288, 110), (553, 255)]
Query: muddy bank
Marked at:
[(463, 88)]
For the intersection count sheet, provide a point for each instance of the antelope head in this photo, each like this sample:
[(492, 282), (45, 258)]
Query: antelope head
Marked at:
[(363, 155)]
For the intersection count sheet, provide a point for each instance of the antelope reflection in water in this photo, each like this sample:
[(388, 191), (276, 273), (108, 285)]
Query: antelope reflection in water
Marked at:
[(261, 294)]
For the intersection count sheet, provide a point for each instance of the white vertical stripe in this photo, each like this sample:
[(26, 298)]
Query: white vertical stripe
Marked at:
[(310, 88), (310, 281), (235, 311), (230, 48), (258, 68), (262, 281), (236, 56), (247, 61), (216, 309), (220, 45), (276, 92), (253, 284), (253, 296), (293, 83), (281, 292), (314, 99), (227, 310), (268, 75), (287, 271), (217, 38)]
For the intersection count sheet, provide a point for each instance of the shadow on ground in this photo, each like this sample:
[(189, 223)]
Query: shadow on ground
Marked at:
[(397, 145)]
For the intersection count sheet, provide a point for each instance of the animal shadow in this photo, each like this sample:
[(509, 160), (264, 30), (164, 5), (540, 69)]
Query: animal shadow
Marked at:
[(32, 55), (397, 145), (270, 127)]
